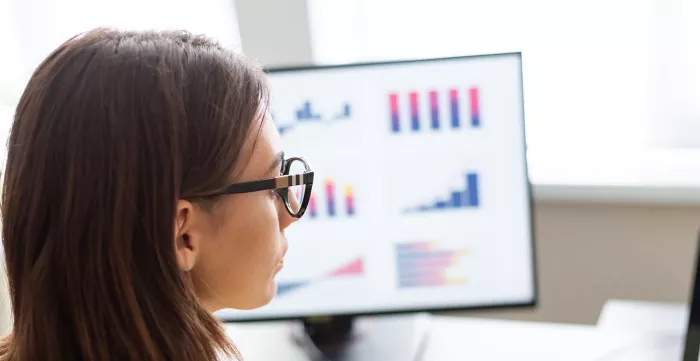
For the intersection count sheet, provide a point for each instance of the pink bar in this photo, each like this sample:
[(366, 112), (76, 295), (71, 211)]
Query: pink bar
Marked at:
[(394, 112), (454, 95), (394, 103), (474, 102), (433, 99), (413, 98)]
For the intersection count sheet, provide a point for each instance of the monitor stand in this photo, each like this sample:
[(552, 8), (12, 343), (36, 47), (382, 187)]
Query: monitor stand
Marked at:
[(347, 338)]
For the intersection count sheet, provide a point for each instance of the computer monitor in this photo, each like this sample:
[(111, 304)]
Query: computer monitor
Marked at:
[(421, 199), (691, 345)]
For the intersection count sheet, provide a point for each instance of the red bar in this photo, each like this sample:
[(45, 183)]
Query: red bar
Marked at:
[(394, 111), (474, 101), (413, 99)]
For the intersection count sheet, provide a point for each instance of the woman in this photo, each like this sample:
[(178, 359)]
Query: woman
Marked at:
[(144, 190)]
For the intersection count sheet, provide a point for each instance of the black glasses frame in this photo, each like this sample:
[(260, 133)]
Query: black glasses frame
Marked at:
[(280, 184)]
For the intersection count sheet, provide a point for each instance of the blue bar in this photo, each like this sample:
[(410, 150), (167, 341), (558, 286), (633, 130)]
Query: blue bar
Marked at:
[(435, 117), (394, 110), (475, 121), (440, 204), (456, 199), (472, 189), (454, 108), (415, 123), (395, 123), (455, 115), (307, 110), (434, 113), (331, 207)]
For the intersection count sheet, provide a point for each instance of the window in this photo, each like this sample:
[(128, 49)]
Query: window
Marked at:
[(600, 76), (9, 79)]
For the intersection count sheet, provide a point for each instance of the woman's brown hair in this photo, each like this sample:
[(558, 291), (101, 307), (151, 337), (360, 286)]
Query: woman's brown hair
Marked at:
[(112, 130)]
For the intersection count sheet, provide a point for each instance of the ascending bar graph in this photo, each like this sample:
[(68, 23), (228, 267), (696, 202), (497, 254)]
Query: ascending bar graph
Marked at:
[(332, 203), (460, 103), (467, 197), (424, 264)]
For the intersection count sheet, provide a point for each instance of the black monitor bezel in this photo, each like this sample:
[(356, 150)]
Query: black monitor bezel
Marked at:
[(530, 199), (691, 345)]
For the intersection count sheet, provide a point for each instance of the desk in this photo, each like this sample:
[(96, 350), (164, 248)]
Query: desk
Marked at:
[(459, 338), (642, 316), (657, 329)]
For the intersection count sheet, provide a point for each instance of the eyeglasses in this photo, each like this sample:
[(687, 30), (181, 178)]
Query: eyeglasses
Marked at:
[(293, 186)]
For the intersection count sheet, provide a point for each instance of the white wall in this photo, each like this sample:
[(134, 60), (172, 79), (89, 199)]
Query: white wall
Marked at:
[(43, 24), (278, 37), (676, 81), (33, 28)]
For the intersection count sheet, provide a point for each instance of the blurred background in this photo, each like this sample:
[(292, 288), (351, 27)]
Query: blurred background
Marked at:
[(612, 109)]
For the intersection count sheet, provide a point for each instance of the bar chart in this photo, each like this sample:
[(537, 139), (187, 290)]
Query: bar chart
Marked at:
[(459, 104), (354, 268), (305, 113), (333, 204), (467, 197), (424, 264)]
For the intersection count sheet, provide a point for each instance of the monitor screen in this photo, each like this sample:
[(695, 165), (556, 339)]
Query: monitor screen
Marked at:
[(421, 198)]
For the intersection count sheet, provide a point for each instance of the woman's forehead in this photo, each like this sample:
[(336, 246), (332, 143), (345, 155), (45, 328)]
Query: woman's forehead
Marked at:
[(262, 148)]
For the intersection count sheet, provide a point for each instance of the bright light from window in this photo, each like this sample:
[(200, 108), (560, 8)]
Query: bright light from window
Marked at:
[(592, 69)]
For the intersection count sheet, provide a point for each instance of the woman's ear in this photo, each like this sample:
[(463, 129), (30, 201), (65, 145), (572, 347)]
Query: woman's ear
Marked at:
[(186, 240)]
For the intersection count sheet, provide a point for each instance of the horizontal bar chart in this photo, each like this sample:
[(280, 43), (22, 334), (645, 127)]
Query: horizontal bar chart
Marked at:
[(423, 264)]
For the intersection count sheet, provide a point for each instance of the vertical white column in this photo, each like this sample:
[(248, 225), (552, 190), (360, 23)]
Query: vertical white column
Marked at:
[(674, 92)]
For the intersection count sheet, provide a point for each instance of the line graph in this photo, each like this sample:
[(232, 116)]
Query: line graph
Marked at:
[(305, 113)]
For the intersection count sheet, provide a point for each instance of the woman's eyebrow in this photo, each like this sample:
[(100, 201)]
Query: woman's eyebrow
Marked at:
[(276, 163)]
